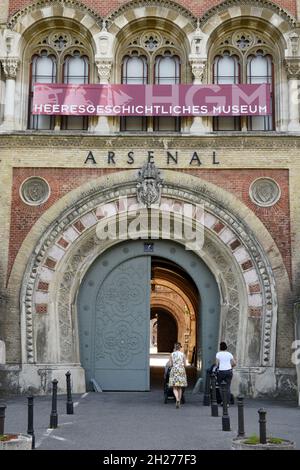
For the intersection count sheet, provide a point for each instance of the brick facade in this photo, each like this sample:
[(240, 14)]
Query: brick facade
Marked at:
[(61, 181), (197, 8)]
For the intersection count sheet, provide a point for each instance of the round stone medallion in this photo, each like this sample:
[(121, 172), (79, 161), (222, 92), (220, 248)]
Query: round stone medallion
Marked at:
[(264, 192), (35, 191)]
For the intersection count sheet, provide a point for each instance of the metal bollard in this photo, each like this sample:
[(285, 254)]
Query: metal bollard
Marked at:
[(70, 409), (214, 404), (53, 415), (225, 417), (240, 404), (2, 418), (30, 429), (262, 426), (206, 398)]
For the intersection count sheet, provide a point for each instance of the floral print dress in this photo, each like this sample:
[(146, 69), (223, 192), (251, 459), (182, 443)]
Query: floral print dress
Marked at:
[(177, 376)]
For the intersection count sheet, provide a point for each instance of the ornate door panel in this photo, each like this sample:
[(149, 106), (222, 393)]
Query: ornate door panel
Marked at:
[(114, 317)]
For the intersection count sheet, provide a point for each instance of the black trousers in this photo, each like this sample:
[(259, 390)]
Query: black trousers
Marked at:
[(225, 375)]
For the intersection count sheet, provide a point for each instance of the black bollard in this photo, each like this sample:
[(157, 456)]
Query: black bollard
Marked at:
[(225, 417), (2, 418), (30, 429), (53, 415), (206, 398), (70, 409), (240, 404), (214, 404), (262, 426)]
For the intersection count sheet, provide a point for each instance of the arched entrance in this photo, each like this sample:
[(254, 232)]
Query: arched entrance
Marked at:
[(114, 304), (164, 330)]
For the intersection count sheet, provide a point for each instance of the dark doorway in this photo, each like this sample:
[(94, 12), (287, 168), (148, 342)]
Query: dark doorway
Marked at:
[(166, 331)]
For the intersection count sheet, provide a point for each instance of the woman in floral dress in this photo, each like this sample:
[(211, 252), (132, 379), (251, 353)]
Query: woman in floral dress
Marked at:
[(177, 378)]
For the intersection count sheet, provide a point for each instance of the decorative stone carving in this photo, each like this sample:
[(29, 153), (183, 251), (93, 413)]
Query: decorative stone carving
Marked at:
[(264, 192), (294, 42), (35, 191), (149, 185), (104, 42), (198, 68), (104, 69), (292, 68), (10, 67), (60, 41)]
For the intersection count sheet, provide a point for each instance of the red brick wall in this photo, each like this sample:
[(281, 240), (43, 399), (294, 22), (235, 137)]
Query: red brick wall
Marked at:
[(103, 7), (276, 218), (23, 216), (61, 180)]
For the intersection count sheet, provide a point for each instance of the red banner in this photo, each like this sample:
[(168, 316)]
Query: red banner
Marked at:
[(152, 100)]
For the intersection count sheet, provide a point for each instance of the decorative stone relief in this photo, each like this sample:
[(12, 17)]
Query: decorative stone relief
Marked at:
[(294, 43), (198, 68), (10, 67), (104, 67), (149, 185), (292, 66), (35, 191), (264, 192)]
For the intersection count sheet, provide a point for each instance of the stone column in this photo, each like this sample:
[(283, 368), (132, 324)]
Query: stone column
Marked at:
[(293, 75), (10, 67), (2, 352), (198, 66), (104, 66)]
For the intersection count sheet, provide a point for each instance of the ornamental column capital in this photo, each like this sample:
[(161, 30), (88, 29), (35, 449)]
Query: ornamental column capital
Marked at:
[(104, 66), (292, 66), (10, 66), (198, 67)]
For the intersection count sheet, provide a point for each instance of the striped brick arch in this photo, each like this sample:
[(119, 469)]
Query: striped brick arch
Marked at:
[(45, 9), (259, 9), (69, 247), (164, 10)]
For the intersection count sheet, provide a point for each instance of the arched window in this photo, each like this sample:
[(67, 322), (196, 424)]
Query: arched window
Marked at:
[(152, 57), (240, 57), (260, 70), (167, 72), (43, 70), (134, 72), (59, 57), (226, 71), (75, 71)]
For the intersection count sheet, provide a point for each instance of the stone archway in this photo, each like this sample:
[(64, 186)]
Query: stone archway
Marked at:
[(232, 252)]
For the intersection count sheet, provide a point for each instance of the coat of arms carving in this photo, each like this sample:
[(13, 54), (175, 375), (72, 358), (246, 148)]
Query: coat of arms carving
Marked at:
[(149, 185)]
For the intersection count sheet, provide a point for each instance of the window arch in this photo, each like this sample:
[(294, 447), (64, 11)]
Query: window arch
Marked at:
[(166, 72), (226, 70), (75, 71), (244, 56), (134, 71), (43, 70), (260, 70), (151, 57), (58, 57)]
